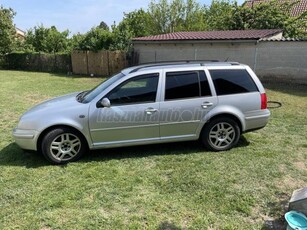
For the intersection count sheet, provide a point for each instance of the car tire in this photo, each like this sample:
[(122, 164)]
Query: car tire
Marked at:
[(220, 134), (63, 145)]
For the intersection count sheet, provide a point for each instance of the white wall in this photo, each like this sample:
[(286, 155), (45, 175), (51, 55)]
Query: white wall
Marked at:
[(277, 59), (285, 60)]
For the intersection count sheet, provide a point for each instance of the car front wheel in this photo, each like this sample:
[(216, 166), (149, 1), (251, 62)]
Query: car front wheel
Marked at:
[(63, 145), (221, 134)]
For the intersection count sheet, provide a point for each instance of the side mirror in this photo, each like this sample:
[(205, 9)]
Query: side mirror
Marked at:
[(105, 102)]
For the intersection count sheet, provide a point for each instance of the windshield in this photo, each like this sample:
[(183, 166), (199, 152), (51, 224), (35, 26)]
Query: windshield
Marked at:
[(90, 95)]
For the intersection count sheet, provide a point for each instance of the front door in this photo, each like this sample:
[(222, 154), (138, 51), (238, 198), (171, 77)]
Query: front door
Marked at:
[(133, 115)]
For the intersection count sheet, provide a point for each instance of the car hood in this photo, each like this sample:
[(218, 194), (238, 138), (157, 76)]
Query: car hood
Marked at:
[(51, 105)]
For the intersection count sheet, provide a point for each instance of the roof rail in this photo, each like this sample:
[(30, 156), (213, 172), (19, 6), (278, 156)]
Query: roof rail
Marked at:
[(165, 63), (180, 61)]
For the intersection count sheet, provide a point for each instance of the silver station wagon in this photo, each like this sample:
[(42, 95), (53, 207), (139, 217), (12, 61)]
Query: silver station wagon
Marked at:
[(214, 102)]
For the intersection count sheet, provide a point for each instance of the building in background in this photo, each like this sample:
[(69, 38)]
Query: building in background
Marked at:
[(234, 45), (20, 33), (265, 51)]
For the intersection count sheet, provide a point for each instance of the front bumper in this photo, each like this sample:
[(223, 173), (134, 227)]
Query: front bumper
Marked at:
[(25, 139)]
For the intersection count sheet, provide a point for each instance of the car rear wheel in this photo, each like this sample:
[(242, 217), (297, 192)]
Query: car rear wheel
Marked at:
[(63, 145), (221, 134)]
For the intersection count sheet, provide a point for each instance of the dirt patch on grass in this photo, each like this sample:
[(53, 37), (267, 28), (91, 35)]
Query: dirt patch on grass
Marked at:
[(105, 214), (34, 98), (300, 165), (289, 183), (274, 218), (46, 228)]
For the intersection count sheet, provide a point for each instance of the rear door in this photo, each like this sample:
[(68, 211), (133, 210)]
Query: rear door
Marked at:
[(185, 101)]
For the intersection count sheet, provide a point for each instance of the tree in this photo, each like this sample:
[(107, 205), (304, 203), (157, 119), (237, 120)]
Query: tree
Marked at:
[(58, 41), (134, 24), (178, 15), (103, 26), (194, 17), (96, 39), (159, 13), (138, 22), (76, 40), (7, 30), (122, 36), (274, 15), (228, 15), (219, 15), (48, 40)]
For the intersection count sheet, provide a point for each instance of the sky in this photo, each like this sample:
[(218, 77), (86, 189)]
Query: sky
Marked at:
[(74, 15)]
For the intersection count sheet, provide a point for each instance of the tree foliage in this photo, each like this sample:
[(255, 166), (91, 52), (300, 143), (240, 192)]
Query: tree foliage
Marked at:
[(177, 15), (227, 15), (134, 24), (137, 22), (7, 30), (96, 39), (162, 16), (48, 40), (274, 15), (220, 15), (103, 26)]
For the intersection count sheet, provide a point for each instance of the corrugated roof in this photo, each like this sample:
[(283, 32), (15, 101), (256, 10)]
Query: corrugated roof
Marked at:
[(212, 35), (283, 40), (297, 9)]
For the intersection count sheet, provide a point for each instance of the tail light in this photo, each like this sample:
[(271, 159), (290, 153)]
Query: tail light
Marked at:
[(263, 101)]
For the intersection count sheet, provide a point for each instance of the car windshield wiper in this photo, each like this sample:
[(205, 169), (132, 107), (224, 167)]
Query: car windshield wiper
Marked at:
[(81, 95)]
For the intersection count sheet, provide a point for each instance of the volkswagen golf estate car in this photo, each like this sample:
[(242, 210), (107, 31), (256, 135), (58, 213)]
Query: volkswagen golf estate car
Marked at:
[(214, 102)]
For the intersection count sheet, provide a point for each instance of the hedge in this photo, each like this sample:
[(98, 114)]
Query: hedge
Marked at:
[(38, 62)]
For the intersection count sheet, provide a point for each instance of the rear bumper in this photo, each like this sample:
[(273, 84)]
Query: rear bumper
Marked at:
[(25, 139), (257, 120)]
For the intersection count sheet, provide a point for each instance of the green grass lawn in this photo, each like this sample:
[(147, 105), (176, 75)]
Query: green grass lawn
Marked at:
[(169, 186)]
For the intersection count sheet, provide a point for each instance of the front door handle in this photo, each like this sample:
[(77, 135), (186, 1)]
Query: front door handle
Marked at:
[(206, 104), (150, 111)]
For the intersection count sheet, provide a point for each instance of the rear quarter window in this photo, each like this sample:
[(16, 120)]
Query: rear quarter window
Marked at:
[(232, 81)]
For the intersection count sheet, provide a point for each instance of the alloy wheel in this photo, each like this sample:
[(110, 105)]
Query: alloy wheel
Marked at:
[(222, 135), (65, 146)]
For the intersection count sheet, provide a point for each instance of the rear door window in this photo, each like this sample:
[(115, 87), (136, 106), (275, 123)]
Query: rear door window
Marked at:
[(187, 84)]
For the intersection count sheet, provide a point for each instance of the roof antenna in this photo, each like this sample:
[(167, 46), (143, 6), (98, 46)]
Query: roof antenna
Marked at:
[(226, 59)]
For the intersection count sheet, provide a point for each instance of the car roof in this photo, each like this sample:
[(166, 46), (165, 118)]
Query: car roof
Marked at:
[(182, 64)]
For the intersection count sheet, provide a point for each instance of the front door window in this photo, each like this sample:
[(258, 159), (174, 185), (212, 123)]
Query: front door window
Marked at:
[(141, 89)]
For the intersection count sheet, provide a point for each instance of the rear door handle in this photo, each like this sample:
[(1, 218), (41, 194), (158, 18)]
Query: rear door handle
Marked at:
[(206, 104), (150, 111)]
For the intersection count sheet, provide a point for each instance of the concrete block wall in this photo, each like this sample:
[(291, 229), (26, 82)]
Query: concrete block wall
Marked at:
[(270, 59), (283, 60), (206, 51)]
